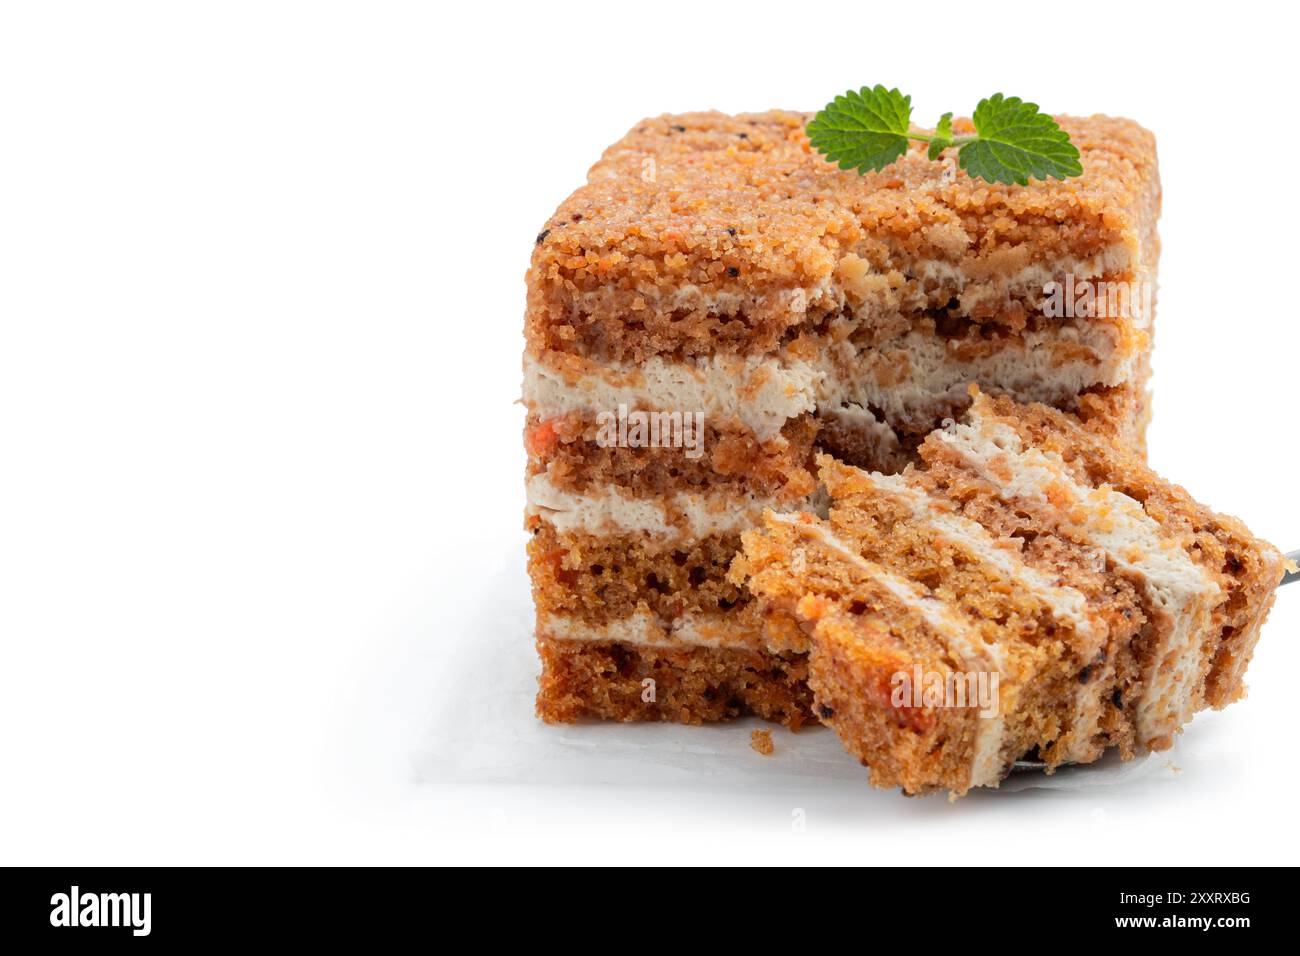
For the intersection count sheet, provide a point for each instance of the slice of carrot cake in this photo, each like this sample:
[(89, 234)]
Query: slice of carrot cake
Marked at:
[(1029, 590), (718, 304)]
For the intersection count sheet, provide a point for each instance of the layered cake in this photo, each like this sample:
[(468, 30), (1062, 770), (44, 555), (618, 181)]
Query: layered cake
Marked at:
[(1029, 589), (719, 304)]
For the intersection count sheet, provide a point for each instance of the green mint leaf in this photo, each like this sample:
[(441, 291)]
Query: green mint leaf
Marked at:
[(1015, 142), (942, 138), (866, 130)]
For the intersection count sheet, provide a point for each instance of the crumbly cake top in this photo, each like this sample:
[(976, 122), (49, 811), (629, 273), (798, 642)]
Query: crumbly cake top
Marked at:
[(734, 200)]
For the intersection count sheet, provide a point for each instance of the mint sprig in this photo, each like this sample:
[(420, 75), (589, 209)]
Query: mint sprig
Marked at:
[(1014, 141)]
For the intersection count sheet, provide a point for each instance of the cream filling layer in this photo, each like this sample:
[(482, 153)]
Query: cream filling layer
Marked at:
[(682, 513), (960, 637), (643, 629), (974, 286), (1179, 590), (913, 376), (916, 375), (761, 394)]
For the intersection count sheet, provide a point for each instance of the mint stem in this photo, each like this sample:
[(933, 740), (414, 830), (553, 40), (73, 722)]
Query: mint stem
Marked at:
[(955, 141)]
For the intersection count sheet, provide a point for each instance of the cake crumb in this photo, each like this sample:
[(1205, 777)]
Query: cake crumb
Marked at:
[(761, 740)]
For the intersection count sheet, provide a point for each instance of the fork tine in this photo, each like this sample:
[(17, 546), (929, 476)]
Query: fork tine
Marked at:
[(1292, 576)]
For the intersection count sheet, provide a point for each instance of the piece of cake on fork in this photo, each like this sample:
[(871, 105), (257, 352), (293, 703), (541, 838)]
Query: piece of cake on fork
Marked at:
[(761, 306), (1029, 590)]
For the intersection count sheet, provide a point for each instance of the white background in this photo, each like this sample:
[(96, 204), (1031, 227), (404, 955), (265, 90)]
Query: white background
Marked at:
[(261, 292)]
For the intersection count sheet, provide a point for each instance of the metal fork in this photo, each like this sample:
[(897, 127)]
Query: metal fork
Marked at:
[(1290, 577)]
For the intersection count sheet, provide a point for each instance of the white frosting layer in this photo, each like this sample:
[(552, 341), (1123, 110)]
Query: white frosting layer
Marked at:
[(914, 376), (917, 375), (1181, 593), (760, 393), (961, 639), (612, 512), (1028, 282), (718, 631)]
